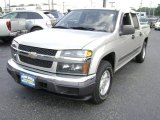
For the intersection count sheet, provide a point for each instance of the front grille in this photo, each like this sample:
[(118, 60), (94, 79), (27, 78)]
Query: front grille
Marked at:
[(36, 62), (38, 50)]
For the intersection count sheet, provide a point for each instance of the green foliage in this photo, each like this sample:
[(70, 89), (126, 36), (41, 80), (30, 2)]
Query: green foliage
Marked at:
[(157, 11), (150, 11)]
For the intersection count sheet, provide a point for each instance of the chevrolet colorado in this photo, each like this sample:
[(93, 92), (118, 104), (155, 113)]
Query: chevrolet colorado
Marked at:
[(78, 57)]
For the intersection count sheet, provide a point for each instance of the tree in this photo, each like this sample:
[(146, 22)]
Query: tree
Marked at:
[(150, 11), (0, 9), (157, 11)]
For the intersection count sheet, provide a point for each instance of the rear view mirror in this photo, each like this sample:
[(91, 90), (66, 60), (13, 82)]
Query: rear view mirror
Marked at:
[(127, 29)]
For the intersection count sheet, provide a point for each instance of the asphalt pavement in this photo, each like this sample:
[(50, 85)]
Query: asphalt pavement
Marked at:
[(135, 94)]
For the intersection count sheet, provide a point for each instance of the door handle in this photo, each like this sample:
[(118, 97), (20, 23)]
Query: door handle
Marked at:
[(133, 36)]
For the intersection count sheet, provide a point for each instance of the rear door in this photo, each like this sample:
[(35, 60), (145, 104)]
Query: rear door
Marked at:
[(24, 15), (36, 19), (138, 40)]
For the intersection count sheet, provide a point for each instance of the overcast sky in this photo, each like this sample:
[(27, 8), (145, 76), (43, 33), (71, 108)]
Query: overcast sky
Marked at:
[(87, 3)]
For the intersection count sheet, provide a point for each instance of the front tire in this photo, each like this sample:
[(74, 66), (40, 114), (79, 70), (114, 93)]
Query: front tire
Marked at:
[(141, 56), (103, 82)]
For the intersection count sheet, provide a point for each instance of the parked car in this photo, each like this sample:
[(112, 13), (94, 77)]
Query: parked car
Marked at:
[(157, 25), (80, 55), (35, 20), (11, 28), (144, 21), (152, 22), (53, 19), (58, 15)]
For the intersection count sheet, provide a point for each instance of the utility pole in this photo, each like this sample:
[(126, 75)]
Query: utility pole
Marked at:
[(48, 4), (153, 11), (52, 5), (63, 7), (9, 6), (104, 3), (141, 7), (150, 9), (91, 3), (5, 5)]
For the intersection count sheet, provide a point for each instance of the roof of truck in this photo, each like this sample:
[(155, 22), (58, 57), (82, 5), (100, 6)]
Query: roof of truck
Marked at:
[(122, 9)]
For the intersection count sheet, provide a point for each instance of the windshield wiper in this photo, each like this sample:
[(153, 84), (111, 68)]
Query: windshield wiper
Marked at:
[(83, 28), (62, 27)]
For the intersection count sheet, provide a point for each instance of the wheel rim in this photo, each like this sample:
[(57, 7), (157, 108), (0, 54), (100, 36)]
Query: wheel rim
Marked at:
[(144, 52), (104, 83)]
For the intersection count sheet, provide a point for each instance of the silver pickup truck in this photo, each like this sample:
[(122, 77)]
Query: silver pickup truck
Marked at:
[(79, 56), (11, 28)]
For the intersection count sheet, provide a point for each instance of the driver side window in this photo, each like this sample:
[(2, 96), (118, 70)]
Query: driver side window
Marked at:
[(126, 19)]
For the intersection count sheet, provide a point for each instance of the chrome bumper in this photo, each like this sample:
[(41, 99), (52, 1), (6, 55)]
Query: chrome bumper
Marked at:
[(62, 84)]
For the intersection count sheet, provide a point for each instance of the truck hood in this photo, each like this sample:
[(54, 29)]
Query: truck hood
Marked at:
[(60, 39)]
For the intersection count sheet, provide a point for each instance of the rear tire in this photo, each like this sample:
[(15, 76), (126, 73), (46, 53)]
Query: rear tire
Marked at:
[(103, 82), (141, 56)]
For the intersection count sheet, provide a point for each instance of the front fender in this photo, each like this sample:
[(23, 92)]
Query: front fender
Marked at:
[(98, 55)]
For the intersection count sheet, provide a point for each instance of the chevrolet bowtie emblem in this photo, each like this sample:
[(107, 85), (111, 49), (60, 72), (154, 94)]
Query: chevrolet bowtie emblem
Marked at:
[(32, 55)]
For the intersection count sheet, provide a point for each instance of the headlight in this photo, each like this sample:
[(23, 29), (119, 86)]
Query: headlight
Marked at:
[(14, 47), (73, 68), (76, 53)]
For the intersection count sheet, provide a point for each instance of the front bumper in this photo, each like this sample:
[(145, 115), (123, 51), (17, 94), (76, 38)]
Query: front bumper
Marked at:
[(17, 33), (72, 86)]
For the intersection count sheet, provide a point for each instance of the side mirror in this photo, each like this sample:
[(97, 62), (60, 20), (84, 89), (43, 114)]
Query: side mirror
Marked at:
[(127, 30)]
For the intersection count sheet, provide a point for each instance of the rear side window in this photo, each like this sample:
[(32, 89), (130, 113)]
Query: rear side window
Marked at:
[(33, 15), (135, 21), (23, 15)]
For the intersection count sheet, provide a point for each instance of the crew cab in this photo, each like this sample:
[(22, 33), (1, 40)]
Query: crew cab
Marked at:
[(12, 28), (79, 56)]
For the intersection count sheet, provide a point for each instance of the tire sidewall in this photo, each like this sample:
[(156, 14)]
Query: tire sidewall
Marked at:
[(139, 57), (105, 65)]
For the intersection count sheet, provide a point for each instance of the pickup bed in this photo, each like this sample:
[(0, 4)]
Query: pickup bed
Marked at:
[(12, 27), (79, 56)]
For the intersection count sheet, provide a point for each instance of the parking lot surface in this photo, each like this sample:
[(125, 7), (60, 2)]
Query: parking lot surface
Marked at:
[(135, 94)]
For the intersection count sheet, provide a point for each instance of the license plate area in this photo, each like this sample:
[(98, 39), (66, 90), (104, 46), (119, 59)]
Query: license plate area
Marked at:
[(28, 80)]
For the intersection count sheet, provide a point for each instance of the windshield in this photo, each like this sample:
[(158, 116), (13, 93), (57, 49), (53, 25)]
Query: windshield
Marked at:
[(93, 20)]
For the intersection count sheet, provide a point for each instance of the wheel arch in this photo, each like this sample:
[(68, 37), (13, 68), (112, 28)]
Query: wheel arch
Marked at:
[(35, 27), (110, 57)]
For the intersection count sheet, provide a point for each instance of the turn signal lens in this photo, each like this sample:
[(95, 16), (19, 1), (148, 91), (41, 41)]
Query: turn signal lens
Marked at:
[(85, 69), (88, 53)]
